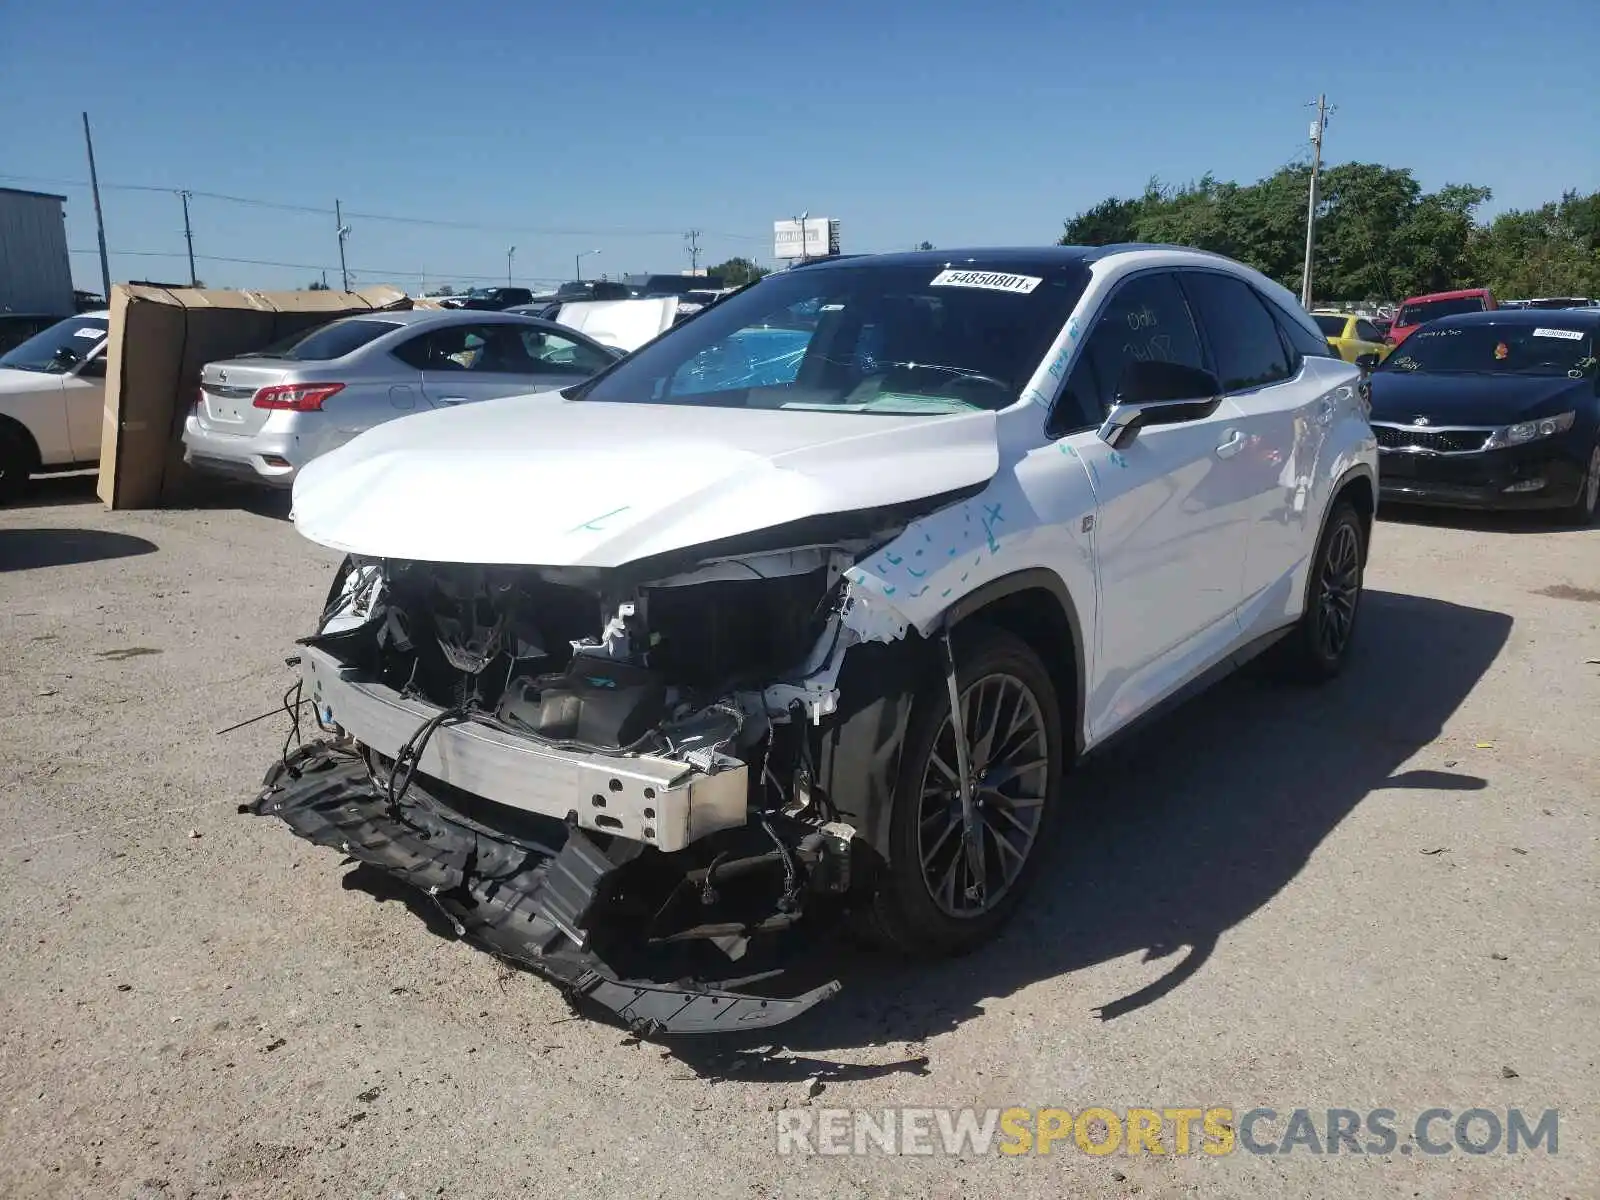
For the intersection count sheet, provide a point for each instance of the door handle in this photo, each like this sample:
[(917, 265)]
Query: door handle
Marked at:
[(1232, 446), (452, 399)]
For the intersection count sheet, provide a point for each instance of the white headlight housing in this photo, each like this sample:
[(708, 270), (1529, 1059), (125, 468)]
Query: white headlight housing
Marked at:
[(1528, 431)]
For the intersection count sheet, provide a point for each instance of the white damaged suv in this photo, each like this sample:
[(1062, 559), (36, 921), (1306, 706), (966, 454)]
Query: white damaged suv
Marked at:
[(804, 610)]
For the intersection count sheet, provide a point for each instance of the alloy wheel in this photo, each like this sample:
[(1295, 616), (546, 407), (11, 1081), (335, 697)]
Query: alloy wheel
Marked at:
[(1591, 485), (969, 870), (1340, 590)]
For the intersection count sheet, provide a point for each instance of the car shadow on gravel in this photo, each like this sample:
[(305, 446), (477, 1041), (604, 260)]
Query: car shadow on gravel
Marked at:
[(30, 549), (1180, 834)]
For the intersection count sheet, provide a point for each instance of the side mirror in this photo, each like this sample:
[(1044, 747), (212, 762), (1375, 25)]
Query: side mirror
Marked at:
[(1159, 393), (1367, 361)]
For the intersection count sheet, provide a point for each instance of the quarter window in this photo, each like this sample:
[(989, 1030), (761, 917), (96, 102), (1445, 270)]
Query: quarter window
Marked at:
[(1146, 319), (1244, 337)]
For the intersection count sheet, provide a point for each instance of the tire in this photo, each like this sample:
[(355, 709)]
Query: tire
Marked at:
[(933, 914), (1581, 511), (16, 464), (1316, 648)]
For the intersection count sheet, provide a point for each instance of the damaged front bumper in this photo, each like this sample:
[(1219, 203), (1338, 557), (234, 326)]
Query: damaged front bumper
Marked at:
[(536, 904), (659, 802)]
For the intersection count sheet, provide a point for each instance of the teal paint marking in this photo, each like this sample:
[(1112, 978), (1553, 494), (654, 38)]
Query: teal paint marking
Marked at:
[(593, 525)]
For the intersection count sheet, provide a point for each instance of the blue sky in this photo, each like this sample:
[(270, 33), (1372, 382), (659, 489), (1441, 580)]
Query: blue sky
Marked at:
[(617, 126)]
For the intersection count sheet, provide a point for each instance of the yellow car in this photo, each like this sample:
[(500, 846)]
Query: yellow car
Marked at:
[(1349, 336)]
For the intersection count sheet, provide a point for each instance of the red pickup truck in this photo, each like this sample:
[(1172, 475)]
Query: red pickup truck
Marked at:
[(1438, 304)]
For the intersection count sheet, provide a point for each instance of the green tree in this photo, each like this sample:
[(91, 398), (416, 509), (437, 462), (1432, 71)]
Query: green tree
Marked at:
[(738, 271), (1379, 235), (1553, 250), (1110, 221), (316, 285), (925, 246)]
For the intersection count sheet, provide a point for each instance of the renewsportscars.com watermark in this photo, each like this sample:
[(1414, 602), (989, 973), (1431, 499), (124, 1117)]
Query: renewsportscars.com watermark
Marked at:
[(1162, 1131)]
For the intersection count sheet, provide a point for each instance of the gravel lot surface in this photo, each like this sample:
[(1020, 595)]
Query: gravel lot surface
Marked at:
[(1384, 893)]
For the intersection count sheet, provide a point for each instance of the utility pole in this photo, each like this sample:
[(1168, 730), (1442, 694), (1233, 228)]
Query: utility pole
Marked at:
[(510, 254), (1318, 127), (344, 232), (99, 216), (693, 238), (188, 236)]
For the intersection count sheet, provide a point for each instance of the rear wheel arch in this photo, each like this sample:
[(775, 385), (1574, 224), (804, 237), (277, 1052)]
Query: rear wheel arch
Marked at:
[(1358, 488)]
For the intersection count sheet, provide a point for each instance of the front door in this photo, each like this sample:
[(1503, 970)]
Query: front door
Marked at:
[(1170, 521), (85, 394)]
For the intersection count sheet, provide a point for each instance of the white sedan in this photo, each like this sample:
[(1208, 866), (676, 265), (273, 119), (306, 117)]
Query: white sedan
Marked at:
[(52, 391)]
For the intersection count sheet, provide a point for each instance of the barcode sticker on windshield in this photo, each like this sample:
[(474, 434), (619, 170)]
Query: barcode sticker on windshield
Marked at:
[(993, 281), (88, 333), (1571, 335)]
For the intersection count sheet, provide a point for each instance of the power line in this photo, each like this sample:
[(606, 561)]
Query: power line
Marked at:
[(300, 266), (435, 222)]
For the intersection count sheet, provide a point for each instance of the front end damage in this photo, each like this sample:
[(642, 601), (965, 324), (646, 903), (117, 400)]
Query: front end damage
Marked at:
[(622, 778)]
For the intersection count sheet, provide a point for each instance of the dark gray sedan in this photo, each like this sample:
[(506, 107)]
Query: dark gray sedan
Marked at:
[(263, 416)]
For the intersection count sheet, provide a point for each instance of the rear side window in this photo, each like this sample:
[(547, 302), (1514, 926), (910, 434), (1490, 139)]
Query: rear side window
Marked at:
[(1301, 341), (1368, 332), (1331, 326), (1147, 318), (1243, 336)]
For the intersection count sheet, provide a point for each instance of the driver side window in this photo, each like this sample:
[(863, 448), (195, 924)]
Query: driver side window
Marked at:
[(1147, 319)]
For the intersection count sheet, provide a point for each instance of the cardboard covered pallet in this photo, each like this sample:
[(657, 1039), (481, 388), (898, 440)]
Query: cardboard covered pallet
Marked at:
[(160, 338)]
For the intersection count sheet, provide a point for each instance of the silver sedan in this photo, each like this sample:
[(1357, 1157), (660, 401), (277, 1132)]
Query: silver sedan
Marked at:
[(263, 416)]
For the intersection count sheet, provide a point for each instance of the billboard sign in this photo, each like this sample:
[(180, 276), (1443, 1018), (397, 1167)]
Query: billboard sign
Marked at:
[(816, 237)]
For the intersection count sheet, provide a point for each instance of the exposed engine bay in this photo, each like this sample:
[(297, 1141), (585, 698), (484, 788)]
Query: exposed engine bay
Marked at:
[(621, 781)]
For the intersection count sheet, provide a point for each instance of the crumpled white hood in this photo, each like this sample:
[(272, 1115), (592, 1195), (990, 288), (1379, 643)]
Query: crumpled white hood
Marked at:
[(550, 482)]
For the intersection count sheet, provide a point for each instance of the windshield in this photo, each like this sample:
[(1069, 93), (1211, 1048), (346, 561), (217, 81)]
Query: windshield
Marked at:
[(327, 341), (1331, 326), (874, 338), (1520, 349), (1432, 310), (60, 348)]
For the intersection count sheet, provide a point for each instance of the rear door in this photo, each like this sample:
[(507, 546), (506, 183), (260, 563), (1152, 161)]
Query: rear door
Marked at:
[(1282, 411), (466, 363), (1170, 521)]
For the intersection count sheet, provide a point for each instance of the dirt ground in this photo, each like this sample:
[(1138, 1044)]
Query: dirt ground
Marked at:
[(1384, 893)]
